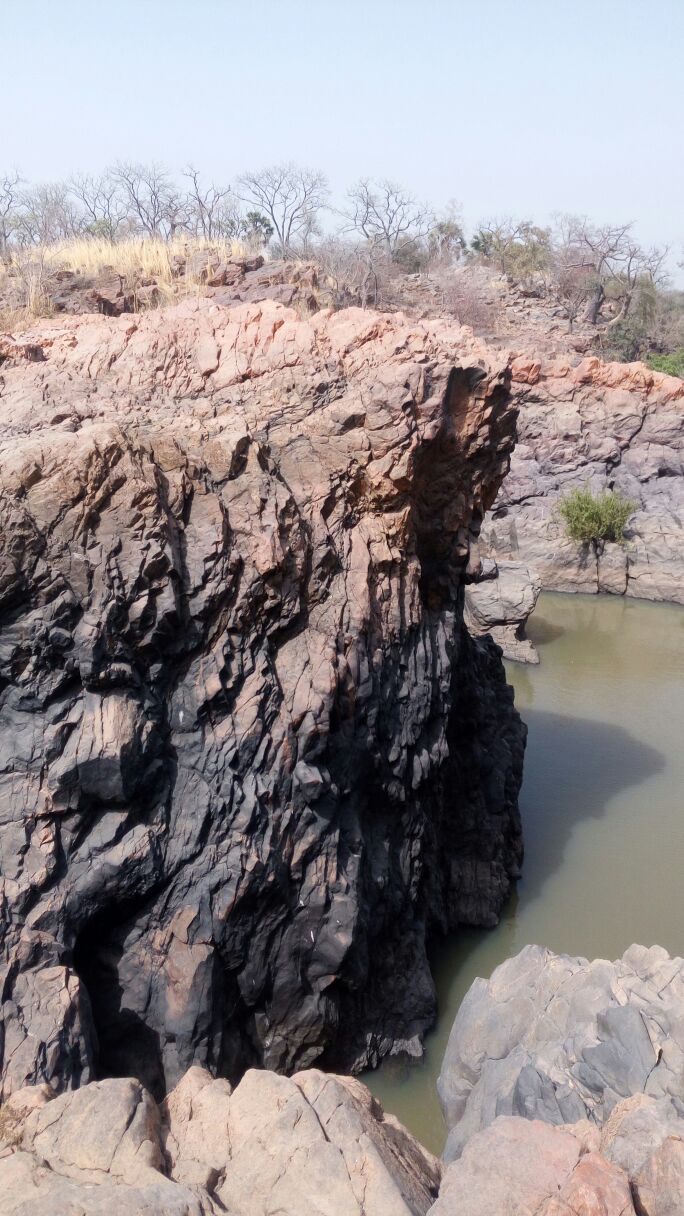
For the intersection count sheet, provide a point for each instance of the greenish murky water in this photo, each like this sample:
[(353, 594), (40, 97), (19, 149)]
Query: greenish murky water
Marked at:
[(603, 813)]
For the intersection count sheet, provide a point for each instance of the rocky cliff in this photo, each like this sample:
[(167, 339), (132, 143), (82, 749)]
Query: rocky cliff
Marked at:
[(606, 426), (249, 755)]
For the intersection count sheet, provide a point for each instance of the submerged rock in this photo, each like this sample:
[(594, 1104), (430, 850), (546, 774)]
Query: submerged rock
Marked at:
[(249, 755)]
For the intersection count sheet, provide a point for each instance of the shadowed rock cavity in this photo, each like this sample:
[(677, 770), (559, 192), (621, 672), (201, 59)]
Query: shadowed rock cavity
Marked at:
[(249, 755)]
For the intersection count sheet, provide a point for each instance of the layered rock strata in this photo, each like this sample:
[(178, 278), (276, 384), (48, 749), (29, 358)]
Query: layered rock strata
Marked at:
[(605, 426), (249, 755)]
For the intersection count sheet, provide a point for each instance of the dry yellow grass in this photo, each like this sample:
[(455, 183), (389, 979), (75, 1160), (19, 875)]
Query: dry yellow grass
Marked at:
[(148, 258), (136, 260), (29, 289)]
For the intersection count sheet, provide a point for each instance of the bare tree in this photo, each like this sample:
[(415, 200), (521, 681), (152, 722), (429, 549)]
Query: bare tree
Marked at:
[(10, 184), (151, 199), (387, 215), (103, 203), (611, 260), (353, 270), (641, 270), (210, 213), (291, 198), (572, 283), (46, 214), (600, 251)]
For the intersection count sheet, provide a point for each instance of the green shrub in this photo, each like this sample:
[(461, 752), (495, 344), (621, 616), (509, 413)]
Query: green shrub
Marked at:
[(594, 517), (671, 365)]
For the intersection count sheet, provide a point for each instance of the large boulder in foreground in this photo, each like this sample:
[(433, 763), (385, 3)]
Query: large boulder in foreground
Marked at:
[(521, 1168), (524, 1167), (563, 1087), (606, 426), (316, 1145), (560, 1039), (249, 755)]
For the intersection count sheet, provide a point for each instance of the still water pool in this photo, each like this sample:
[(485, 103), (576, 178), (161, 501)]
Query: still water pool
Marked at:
[(603, 813)]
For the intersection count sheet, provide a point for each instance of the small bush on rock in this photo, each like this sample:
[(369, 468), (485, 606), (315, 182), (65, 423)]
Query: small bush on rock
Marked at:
[(595, 517), (671, 365)]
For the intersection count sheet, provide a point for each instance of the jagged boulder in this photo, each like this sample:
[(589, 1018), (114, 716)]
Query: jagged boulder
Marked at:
[(249, 755), (317, 1145), (518, 1167), (593, 1049), (560, 1039), (499, 600)]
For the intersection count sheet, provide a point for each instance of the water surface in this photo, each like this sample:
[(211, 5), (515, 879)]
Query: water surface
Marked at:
[(603, 813)]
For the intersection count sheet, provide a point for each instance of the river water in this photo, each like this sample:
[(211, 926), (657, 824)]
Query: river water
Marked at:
[(603, 814)]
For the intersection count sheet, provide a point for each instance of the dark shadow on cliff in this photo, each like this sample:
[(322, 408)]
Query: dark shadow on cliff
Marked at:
[(126, 1046), (573, 768)]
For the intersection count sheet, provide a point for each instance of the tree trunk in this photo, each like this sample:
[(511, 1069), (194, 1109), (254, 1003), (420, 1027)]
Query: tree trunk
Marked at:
[(595, 303)]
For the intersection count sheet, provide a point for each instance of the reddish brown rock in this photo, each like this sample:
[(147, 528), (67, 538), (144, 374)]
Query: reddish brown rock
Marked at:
[(521, 1167), (249, 756)]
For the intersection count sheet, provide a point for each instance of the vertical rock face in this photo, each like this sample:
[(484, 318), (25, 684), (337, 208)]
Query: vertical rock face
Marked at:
[(249, 755), (607, 426)]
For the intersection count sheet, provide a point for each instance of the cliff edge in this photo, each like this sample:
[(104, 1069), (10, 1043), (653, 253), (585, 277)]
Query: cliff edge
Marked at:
[(249, 755)]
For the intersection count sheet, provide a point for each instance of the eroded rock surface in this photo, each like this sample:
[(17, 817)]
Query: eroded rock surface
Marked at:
[(560, 1039), (578, 1066), (316, 1145), (518, 1167), (499, 601), (605, 426), (249, 755)]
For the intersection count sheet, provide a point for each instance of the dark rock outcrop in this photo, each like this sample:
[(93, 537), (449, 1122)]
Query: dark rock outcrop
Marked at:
[(606, 426), (249, 755)]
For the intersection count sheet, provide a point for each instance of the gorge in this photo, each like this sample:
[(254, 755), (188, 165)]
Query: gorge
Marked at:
[(254, 766)]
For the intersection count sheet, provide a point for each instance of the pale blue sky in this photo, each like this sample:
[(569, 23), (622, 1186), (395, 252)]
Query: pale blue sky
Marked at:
[(526, 108)]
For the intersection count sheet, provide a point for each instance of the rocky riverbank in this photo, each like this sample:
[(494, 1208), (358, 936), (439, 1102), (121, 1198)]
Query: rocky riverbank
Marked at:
[(250, 756), (563, 1087), (562, 1084), (315, 1145), (606, 426)]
